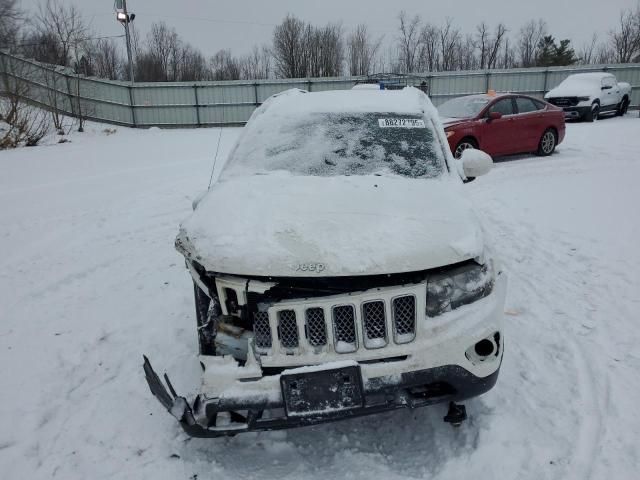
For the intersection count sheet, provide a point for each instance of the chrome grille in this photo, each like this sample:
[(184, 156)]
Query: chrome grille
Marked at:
[(344, 326), (375, 327), (564, 101), (288, 328), (316, 327), (262, 330), (404, 318)]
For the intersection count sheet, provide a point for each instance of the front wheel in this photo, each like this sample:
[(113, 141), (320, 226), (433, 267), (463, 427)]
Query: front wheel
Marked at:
[(547, 143), (464, 144), (593, 114), (623, 107)]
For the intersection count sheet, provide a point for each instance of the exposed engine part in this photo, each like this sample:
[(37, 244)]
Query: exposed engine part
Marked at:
[(207, 311), (231, 338)]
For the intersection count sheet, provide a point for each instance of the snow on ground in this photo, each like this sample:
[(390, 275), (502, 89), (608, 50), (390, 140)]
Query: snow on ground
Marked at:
[(89, 281)]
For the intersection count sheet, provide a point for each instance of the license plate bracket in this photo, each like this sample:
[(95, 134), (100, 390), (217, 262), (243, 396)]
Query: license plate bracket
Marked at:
[(322, 392)]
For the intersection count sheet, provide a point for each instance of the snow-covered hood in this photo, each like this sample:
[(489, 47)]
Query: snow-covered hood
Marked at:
[(581, 89), (284, 225)]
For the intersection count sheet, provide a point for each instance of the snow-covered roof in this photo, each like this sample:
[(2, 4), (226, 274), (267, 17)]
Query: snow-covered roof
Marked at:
[(589, 76), (299, 102)]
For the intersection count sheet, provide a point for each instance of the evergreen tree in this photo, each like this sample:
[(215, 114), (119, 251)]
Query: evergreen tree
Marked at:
[(564, 54), (552, 55)]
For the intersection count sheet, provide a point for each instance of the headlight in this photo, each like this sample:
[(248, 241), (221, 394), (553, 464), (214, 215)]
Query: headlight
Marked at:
[(583, 99), (450, 133), (461, 286)]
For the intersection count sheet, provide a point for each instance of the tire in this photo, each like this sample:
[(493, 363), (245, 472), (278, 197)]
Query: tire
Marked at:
[(622, 107), (548, 142), (594, 113), (463, 145)]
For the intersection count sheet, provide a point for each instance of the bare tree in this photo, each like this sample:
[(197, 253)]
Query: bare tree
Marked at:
[(495, 44), (65, 26), (625, 40), (257, 64), (449, 40), (107, 60), (408, 41), (289, 48), (192, 65), (163, 47), (508, 56), (529, 40), (465, 58), (55, 97), (326, 48), (225, 66), (25, 125), (41, 46), (482, 43), (362, 51), (604, 54), (10, 20), (429, 56), (587, 53), (60, 36)]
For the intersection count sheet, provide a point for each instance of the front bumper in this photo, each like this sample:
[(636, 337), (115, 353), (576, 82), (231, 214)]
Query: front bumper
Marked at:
[(450, 383), (438, 366), (576, 113)]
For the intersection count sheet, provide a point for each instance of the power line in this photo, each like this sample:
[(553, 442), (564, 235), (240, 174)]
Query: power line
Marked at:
[(48, 40), (200, 19)]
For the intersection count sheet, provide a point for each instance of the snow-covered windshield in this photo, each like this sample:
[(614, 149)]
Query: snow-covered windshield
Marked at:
[(462, 107), (330, 144)]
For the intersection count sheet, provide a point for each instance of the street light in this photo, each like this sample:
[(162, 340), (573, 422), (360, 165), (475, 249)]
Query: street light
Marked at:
[(125, 18)]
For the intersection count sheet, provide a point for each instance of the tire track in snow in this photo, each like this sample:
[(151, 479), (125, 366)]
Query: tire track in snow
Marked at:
[(591, 426), (533, 249)]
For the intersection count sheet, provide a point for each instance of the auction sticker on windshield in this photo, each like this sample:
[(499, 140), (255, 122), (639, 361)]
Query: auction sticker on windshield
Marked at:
[(401, 123)]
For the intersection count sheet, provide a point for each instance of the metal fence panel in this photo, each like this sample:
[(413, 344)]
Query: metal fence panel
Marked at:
[(443, 88), (215, 94), (630, 75), (225, 114), (232, 102)]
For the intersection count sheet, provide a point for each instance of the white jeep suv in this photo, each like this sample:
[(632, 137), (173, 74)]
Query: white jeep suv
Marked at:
[(338, 269)]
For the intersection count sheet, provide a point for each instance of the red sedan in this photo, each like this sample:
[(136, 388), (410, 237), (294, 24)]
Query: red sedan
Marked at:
[(502, 124)]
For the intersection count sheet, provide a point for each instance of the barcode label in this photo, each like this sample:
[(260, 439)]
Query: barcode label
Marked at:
[(401, 123)]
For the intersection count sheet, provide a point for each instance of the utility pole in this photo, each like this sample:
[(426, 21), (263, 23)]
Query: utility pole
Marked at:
[(123, 16)]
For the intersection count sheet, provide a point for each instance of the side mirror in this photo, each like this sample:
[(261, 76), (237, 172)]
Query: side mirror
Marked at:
[(475, 163), (494, 116)]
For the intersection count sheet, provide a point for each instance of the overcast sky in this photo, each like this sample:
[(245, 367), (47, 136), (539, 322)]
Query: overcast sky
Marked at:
[(239, 24)]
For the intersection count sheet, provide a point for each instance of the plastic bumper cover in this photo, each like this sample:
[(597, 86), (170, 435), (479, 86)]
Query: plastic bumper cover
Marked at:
[(576, 112), (414, 389)]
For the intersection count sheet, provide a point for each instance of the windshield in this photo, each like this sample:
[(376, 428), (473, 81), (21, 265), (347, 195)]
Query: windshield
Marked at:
[(463, 107), (330, 144), (585, 81)]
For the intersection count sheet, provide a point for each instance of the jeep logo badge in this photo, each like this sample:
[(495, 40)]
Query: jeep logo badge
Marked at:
[(309, 267)]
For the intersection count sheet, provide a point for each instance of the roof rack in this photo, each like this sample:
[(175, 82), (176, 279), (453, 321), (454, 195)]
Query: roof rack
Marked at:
[(395, 81)]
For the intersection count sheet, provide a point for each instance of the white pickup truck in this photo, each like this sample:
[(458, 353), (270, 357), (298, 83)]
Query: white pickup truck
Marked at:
[(586, 96)]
